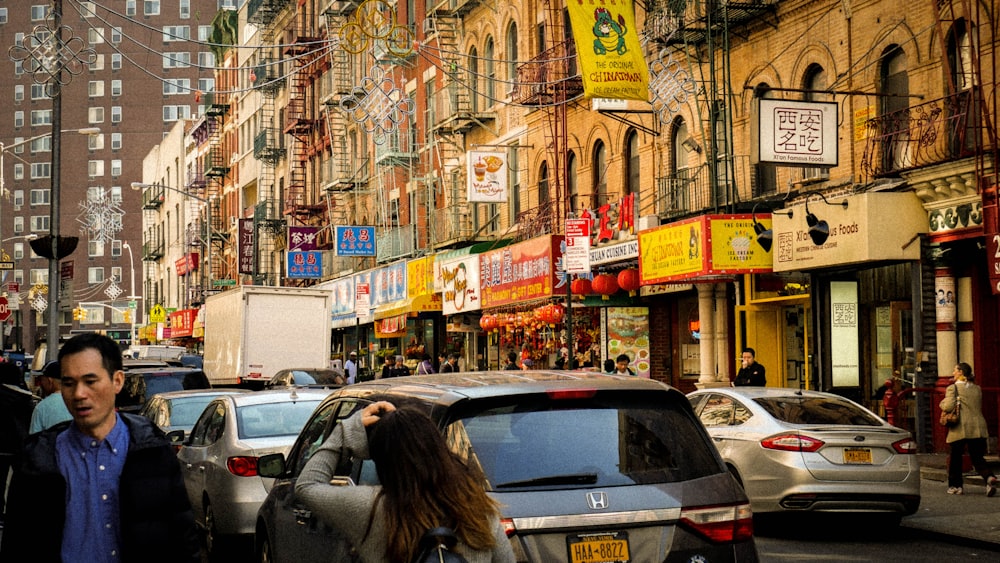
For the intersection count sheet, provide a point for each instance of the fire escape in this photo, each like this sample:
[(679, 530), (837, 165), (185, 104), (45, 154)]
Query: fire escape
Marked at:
[(214, 169), (550, 81), (452, 111)]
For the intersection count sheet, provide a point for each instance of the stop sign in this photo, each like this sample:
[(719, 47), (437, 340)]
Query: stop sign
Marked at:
[(4, 309)]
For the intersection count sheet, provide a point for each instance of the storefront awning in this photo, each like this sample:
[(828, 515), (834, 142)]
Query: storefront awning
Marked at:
[(419, 304)]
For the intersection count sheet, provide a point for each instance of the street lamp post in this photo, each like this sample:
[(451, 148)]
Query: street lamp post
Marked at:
[(133, 297)]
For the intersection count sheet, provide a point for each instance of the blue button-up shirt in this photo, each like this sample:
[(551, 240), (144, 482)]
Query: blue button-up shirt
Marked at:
[(91, 468)]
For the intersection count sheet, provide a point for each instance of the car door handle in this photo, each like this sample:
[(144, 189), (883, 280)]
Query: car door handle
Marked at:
[(301, 515), (187, 466), (201, 468)]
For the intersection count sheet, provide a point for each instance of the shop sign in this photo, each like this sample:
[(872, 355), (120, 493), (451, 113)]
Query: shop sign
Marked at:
[(520, 272), (304, 264), (245, 246), (863, 232), (795, 133), (182, 322), (460, 291), (420, 277), (389, 283), (577, 257), (391, 327), (487, 173), (343, 295), (626, 331), (628, 250), (612, 222), (302, 238), (364, 315), (993, 260), (355, 241), (186, 263), (706, 246)]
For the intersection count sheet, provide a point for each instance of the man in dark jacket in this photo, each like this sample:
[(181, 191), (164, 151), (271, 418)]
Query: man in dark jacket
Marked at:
[(751, 372), (151, 520), (16, 405)]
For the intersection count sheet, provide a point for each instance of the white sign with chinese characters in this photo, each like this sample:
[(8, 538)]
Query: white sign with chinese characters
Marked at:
[(797, 133)]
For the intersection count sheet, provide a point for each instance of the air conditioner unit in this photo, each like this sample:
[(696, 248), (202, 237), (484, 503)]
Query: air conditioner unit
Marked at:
[(429, 27)]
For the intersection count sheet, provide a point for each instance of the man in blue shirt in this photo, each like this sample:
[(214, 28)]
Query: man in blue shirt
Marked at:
[(51, 410), (109, 484)]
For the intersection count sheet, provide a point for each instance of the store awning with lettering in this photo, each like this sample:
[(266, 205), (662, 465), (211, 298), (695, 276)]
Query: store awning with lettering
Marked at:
[(412, 306)]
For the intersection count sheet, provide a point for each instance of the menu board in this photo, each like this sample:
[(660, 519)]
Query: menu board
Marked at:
[(627, 332)]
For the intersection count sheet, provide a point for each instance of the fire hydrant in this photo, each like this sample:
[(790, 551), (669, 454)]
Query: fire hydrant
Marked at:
[(890, 400)]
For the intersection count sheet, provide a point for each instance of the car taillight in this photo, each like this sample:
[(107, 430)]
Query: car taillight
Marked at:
[(905, 446), (720, 524), (242, 466), (792, 443), (569, 394), (508, 526)]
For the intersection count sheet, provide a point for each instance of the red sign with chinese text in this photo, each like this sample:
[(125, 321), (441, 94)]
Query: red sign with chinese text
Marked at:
[(519, 272), (182, 322)]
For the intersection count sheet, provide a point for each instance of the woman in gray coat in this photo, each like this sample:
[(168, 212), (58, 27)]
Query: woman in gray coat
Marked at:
[(971, 429)]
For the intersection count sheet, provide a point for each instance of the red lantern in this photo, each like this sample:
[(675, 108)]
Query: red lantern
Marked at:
[(484, 323), (606, 285), (581, 286), (629, 280), (557, 313)]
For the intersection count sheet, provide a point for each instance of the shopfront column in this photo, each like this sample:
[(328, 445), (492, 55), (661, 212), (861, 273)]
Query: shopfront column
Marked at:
[(721, 333), (946, 318), (706, 320)]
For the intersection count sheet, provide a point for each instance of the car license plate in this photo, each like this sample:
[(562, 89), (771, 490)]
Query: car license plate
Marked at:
[(609, 547), (861, 456)]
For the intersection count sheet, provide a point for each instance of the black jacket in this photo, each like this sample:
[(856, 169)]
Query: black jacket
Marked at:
[(156, 518)]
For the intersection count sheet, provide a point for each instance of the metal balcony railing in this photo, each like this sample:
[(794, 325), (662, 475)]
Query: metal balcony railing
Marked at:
[(551, 76)]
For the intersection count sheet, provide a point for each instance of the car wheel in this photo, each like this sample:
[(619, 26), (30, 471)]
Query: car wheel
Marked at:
[(736, 475), (264, 551), (213, 542)]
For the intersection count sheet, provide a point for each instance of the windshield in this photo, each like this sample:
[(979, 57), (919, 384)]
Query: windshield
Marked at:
[(273, 419), (817, 410), (602, 445)]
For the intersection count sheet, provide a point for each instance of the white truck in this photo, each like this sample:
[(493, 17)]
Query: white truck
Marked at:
[(251, 332)]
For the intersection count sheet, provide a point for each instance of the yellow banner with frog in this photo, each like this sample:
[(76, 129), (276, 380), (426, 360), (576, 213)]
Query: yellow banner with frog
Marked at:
[(607, 44)]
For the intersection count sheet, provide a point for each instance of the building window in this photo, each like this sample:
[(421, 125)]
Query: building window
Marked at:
[(512, 53), (572, 186), (38, 92), (3, 15), (115, 193), (95, 88), (206, 84), (116, 114), (116, 274), (97, 63), (491, 71), (206, 60), (176, 33), (543, 184), (18, 250), (95, 168), (895, 87), (176, 86), (18, 119), (129, 7), (151, 7), (116, 141), (116, 35), (18, 225), (95, 35), (41, 145), (18, 199), (632, 178), (204, 32), (116, 88), (116, 61), (95, 142), (185, 11), (41, 170), (39, 12), (95, 115), (95, 274), (474, 79), (87, 9), (515, 182), (95, 248), (18, 171), (176, 59), (173, 113), (39, 223), (41, 117), (116, 168), (599, 175), (39, 276), (39, 197), (19, 92), (116, 248)]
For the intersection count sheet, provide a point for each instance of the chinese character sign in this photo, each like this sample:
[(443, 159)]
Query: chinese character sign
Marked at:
[(797, 133), (305, 264), (302, 238), (355, 241), (245, 247), (519, 272), (607, 43), (487, 173)]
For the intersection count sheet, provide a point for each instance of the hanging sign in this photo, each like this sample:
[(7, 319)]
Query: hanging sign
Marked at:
[(577, 256), (245, 246), (355, 241), (607, 44), (303, 265), (487, 174)]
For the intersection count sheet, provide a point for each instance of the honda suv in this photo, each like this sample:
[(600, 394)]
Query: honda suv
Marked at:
[(586, 467)]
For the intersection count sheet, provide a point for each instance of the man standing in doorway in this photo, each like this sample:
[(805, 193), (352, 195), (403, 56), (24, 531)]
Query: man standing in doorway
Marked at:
[(351, 367), (752, 373)]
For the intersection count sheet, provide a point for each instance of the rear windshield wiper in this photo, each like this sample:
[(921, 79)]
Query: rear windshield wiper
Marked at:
[(569, 479)]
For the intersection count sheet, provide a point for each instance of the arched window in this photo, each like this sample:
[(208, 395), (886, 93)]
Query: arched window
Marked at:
[(571, 184), (674, 193), (893, 114), (815, 83), (599, 171), (632, 177), (962, 135), (474, 78), (765, 180), (490, 70), (543, 184), (512, 52)]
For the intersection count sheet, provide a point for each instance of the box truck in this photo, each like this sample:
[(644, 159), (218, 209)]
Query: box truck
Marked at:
[(251, 332)]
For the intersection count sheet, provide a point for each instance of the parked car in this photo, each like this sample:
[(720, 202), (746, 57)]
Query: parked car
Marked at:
[(179, 410), (143, 383), (306, 376), (808, 451), (219, 458), (617, 467)]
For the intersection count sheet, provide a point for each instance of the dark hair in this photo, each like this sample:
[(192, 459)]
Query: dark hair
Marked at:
[(512, 356), (966, 370), (111, 354), (751, 351), (425, 357), (609, 365), (453, 356), (52, 370), (426, 485), (623, 358)]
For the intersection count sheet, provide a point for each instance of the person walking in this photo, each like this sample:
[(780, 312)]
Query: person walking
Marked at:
[(51, 410), (970, 431), (399, 368), (16, 406), (351, 367), (451, 366), (425, 367), (621, 365), (751, 372), (104, 487), (511, 361), (422, 485), (387, 366)]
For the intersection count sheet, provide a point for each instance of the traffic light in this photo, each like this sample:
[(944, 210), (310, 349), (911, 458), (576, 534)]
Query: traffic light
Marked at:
[(79, 314), (128, 316)]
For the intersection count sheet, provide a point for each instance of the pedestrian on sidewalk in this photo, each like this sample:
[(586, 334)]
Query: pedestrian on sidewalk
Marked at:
[(970, 431)]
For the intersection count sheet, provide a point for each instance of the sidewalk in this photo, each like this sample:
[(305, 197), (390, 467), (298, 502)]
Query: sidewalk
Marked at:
[(970, 519)]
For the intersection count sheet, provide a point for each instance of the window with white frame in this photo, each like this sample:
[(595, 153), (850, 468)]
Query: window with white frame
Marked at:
[(39, 223), (206, 84), (95, 35), (95, 168), (18, 276), (115, 193), (95, 248), (97, 63), (18, 171), (3, 15), (116, 168), (19, 119), (95, 115), (116, 247), (173, 113), (116, 35), (176, 59), (129, 7), (116, 88), (175, 86), (19, 92), (95, 274), (38, 276), (206, 59), (18, 224), (18, 250), (185, 11), (43, 144), (38, 92), (116, 141), (18, 198), (95, 142), (40, 197), (116, 114), (41, 170), (151, 7), (176, 33), (116, 274), (39, 12), (20, 148), (116, 61), (204, 32), (87, 9), (95, 193), (41, 117), (95, 88)]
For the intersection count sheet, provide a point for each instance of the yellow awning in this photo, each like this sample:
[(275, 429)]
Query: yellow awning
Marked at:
[(418, 304)]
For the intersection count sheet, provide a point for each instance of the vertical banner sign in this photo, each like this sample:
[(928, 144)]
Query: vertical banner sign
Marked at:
[(362, 298), (487, 173), (607, 44), (245, 248), (577, 256), (844, 330)]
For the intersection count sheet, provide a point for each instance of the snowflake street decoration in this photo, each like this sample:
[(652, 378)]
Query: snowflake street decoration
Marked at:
[(670, 85), (113, 290), (37, 297), (101, 217), (378, 105), (40, 56)]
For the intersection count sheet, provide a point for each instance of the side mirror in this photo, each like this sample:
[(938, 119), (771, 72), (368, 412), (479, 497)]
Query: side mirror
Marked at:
[(175, 437), (271, 465)]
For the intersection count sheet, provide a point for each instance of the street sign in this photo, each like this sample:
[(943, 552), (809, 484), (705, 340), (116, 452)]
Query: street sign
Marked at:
[(4, 310), (576, 259), (6, 265), (223, 283), (362, 298)]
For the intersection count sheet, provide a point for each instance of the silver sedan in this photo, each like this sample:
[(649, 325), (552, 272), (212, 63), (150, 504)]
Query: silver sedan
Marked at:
[(804, 451), (219, 458)]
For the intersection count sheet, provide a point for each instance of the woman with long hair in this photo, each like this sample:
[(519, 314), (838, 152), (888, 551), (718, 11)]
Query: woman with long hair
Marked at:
[(424, 485), (971, 429)]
